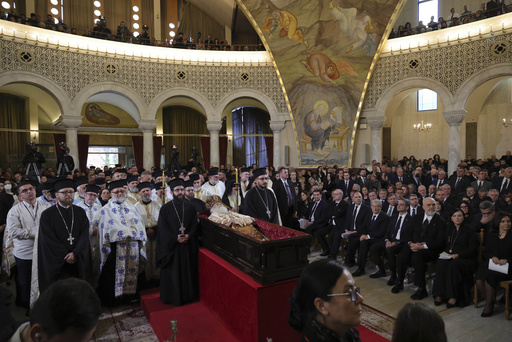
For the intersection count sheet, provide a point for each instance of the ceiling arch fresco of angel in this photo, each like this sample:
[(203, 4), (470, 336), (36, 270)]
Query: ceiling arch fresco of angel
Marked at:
[(323, 51)]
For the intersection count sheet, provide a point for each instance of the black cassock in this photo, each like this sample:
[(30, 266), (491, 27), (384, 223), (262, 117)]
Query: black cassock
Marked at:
[(178, 262), (53, 245), (257, 202)]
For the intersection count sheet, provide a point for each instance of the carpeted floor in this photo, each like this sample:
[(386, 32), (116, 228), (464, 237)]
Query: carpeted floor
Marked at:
[(378, 322)]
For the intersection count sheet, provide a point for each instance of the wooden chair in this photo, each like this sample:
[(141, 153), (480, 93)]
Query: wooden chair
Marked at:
[(304, 141), (507, 285)]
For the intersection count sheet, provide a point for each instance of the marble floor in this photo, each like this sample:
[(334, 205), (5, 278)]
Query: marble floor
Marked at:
[(462, 324)]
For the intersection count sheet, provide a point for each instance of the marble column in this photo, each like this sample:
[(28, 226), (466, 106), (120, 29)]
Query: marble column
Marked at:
[(214, 128), (277, 127), (148, 128), (71, 123), (376, 124), (454, 120)]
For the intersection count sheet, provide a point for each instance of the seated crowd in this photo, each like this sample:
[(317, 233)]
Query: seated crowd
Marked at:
[(123, 34), (491, 9)]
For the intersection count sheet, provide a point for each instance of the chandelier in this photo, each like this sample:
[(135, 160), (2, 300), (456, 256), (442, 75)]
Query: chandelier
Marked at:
[(422, 127), (506, 122)]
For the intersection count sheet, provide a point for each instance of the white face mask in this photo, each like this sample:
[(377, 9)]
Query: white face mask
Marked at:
[(8, 186)]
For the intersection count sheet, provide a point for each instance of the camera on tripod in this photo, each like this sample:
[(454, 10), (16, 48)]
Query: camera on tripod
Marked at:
[(31, 154)]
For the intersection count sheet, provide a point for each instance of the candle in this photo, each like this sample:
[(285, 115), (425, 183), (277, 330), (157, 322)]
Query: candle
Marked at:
[(236, 175)]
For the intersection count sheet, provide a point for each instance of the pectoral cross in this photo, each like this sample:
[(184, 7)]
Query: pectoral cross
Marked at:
[(182, 230), (268, 213), (70, 239)]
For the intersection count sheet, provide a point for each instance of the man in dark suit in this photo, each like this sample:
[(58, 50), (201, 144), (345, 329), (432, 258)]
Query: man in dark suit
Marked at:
[(337, 216), (390, 206), (426, 244), (400, 177), (369, 239), (414, 206), (346, 184), (318, 220), (358, 219), (503, 183), (450, 200), (417, 177), (482, 182), (286, 200), (363, 180), (441, 179), (432, 179), (459, 182)]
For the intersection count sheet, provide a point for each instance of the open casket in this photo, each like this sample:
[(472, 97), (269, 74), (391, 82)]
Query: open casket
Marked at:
[(281, 257)]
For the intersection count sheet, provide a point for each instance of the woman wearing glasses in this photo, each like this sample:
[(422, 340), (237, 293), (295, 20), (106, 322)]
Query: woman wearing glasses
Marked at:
[(326, 305)]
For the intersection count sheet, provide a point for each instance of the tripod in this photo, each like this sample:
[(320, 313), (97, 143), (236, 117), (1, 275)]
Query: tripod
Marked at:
[(62, 167), (35, 171)]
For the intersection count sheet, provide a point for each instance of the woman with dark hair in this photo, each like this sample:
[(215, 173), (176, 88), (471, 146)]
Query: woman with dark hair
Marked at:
[(498, 251), (326, 304), (384, 180), (419, 322), (104, 196), (437, 159), (302, 210), (329, 185), (441, 211), (456, 266), (390, 188), (467, 209), (230, 196), (364, 193)]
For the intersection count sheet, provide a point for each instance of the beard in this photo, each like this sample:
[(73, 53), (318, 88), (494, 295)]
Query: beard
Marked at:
[(214, 181), (133, 189), (146, 198), (66, 201), (119, 199)]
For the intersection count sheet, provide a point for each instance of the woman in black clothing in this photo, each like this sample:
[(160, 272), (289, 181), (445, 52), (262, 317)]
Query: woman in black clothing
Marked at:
[(467, 209), (302, 211), (498, 251), (326, 305), (329, 185), (454, 272)]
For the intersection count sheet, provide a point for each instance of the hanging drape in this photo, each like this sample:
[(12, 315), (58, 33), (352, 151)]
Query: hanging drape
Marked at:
[(223, 150), (195, 20), (182, 120), (77, 14), (147, 17), (250, 149), (138, 150), (269, 141), (205, 151), (157, 151), (83, 150), (13, 115)]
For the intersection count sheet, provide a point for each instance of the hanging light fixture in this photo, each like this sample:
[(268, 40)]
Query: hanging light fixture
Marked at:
[(422, 127)]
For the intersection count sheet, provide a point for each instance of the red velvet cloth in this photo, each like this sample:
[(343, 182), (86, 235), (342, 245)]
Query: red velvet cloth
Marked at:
[(157, 151), (205, 147), (138, 150), (58, 138), (83, 150), (269, 141)]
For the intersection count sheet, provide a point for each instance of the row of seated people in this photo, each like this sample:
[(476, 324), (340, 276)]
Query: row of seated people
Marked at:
[(489, 10)]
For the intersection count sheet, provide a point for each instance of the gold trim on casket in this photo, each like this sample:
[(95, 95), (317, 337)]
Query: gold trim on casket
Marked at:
[(265, 261)]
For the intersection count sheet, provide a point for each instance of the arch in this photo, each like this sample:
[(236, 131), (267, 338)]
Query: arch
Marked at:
[(416, 82), (105, 87), (474, 81), (239, 93), (157, 101), (53, 89)]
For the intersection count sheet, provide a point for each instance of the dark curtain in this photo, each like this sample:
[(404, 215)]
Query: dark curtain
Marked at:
[(195, 20), (138, 150), (83, 150), (223, 150), (58, 138), (157, 151), (269, 141), (182, 120), (205, 151), (13, 115)]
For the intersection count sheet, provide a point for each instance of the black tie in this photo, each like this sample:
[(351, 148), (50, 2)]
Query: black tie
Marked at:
[(457, 182), (400, 179), (413, 212), (397, 226), (424, 227), (505, 186), (346, 185), (479, 185), (313, 211), (288, 193), (354, 215)]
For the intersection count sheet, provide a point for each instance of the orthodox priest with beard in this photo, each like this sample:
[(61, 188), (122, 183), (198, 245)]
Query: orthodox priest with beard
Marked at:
[(149, 210), (260, 202), (177, 250), (122, 238), (199, 192), (214, 186), (189, 196), (63, 248)]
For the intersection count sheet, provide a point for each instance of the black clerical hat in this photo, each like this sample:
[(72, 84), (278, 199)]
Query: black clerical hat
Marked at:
[(130, 179), (259, 172), (80, 181), (188, 183), (99, 180), (213, 171), (63, 183), (25, 182), (176, 182), (193, 177), (92, 188), (144, 185), (157, 173), (119, 171), (245, 169), (117, 184)]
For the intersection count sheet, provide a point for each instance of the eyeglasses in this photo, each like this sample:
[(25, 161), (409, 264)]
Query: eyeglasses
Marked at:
[(24, 191), (353, 293), (463, 206), (118, 192), (69, 192)]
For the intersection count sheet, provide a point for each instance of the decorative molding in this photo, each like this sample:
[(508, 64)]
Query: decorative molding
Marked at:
[(277, 126), (376, 122), (214, 126), (147, 125), (455, 118), (71, 121)]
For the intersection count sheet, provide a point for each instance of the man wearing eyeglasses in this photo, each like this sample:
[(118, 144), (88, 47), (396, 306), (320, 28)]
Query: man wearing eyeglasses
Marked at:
[(63, 248), (260, 202), (22, 225), (122, 238)]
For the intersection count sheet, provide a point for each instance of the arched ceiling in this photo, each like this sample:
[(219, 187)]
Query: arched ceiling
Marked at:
[(117, 100)]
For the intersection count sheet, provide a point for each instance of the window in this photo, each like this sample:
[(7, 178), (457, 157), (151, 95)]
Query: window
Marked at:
[(427, 100), (249, 146), (426, 9), (105, 155)]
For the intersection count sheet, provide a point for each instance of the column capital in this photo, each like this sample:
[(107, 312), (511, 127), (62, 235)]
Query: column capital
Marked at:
[(376, 122), (214, 126), (277, 126), (372, 113), (455, 118), (147, 125), (71, 121)]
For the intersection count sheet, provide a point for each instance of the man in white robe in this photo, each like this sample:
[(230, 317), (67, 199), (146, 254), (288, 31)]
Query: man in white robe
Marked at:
[(214, 186)]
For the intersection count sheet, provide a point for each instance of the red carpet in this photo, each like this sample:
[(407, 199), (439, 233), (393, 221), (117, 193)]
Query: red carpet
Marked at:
[(366, 335)]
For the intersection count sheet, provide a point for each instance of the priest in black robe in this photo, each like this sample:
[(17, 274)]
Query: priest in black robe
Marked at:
[(177, 249), (63, 249), (260, 202), (189, 196)]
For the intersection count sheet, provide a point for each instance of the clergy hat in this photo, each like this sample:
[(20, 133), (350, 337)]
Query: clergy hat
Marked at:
[(245, 169), (99, 180), (119, 171), (169, 173), (213, 171), (92, 188), (144, 185), (80, 181), (156, 173), (175, 182), (63, 183), (27, 181), (188, 183), (259, 172), (130, 179), (193, 177), (117, 184), (118, 165)]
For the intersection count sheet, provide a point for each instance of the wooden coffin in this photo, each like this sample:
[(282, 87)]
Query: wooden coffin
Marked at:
[(282, 257)]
